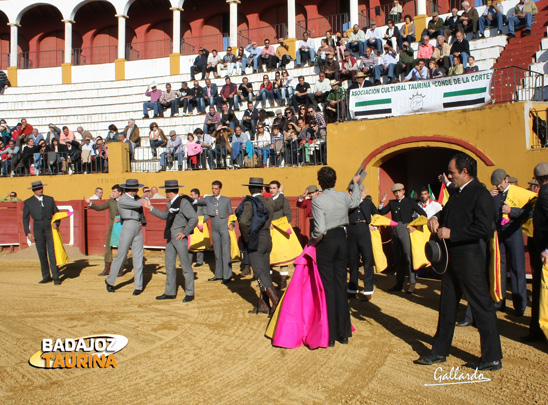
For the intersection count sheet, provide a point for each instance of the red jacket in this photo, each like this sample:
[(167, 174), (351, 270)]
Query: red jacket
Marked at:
[(306, 205)]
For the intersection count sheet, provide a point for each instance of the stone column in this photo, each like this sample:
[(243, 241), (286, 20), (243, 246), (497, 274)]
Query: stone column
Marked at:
[(421, 7), (354, 15), (120, 63), (291, 19), (66, 66), (176, 29), (233, 22), (12, 69)]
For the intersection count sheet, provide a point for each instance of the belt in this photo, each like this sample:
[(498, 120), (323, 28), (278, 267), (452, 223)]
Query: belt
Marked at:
[(359, 222)]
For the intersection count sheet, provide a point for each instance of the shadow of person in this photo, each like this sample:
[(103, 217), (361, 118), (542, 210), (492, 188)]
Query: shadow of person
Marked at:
[(148, 271), (245, 288), (73, 270)]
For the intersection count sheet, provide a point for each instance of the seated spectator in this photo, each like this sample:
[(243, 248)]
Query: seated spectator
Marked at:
[(249, 120), (435, 71), (154, 94), (331, 68), (367, 63), (335, 110), (303, 94), (288, 118), (54, 132), (26, 128), (6, 154), (388, 63), (254, 53), (305, 51), (425, 49), (278, 119), (5, 132), (318, 148), (524, 14), (265, 91), (241, 61), (461, 48), (156, 138), (262, 144), (451, 25), (442, 53), (406, 60), (4, 82), (36, 136), (84, 134), (301, 112), (469, 19), (373, 39), (229, 94), (210, 92), (213, 61), (268, 57), (200, 64), (282, 53), (207, 144), (360, 82), (349, 68), (57, 159), (305, 136), (341, 42), (166, 100), (313, 115), (324, 52), (228, 118), (457, 68), (174, 150), (392, 34), (419, 72), (493, 14), (229, 61), (238, 145), (66, 136), (435, 26), (472, 67), (396, 12), (101, 155), (196, 99), (245, 90), (407, 31), (277, 87), (322, 87), (87, 156), (132, 135), (193, 151), (289, 84), (212, 120), (330, 40)]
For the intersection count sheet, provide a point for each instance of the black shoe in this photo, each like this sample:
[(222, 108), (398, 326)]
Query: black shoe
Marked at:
[(397, 287), (485, 365), (331, 343), (166, 297), (351, 296), (45, 280), (532, 337), (519, 312), (146, 117), (198, 264), (57, 281), (228, 280), (366, 298), (137, 292), (188, 298), (510, 35), (430, 359), (524, 34), (214, 279), (411, 288), (110, 288), (464, 324), (343, 340)]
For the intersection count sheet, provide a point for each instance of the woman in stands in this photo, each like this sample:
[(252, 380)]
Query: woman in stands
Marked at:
[(277, 86), (342, 40), (289, 84), (213, 61), (392, 34), (407, 31), (193, 150), (301, 113), (112, 135), (265, 91), (57, 156), (5, 131), (156, 138), (323, 52), (457, 68), (241, 61), (101, 155)]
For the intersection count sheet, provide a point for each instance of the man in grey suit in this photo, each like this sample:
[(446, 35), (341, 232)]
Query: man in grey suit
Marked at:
[(219, 208), (180, 220), (131, 211), (42, 208)]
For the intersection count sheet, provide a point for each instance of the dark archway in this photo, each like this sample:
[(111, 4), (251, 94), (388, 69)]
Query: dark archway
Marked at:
[(152, 22), (4, 41)]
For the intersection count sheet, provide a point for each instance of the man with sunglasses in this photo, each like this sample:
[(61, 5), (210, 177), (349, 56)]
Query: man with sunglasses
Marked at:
[(268, 56), (331, 68), (11, 197), (229, 61), (312, 114)]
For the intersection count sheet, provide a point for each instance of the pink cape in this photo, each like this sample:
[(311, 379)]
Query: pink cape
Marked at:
[(193, 148), (303, 313)]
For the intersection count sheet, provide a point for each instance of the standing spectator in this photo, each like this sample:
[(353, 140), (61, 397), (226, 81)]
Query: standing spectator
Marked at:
[(263, 144), (229, 61), (229, 94), (388, 63), (200, 64), (7, 154), (491, 15), (155, 194), (4, 82), (435, 27), (241, 60), (426, 49), (193, 151), (210, 92), (408, 30), (322, 87), (302, 94), (524, 13), (335, 109), (212, 120), (87, 154), (154, 94), (305, 51), (213, 61), (469, 19), (324, 52), (36, 136), (392, 34), (442, 53), (5, 131), (282, 53), (373, 38), (268, 57), (451, 25), (245, 90), (196, 98), (67, 136), (54, 132), (429, 206), (265, 91), (254, 54), (249, 119), (406, 60), (84, 133), (101, 155), (238, 145), (222, 145), (396, 12), (57, 157), (461, 48), (472, 67), (156, 138), (206, 142)]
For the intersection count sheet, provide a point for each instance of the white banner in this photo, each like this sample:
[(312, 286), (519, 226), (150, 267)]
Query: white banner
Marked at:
[(443, 94)]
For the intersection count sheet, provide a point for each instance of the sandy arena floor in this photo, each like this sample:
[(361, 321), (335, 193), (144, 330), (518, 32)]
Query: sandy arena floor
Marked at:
[(212, 351)]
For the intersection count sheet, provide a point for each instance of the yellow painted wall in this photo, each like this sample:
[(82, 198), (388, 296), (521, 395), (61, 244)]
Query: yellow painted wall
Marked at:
[(500, 131)]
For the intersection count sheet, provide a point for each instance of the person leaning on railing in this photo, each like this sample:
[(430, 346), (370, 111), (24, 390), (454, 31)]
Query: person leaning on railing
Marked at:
[(101, 155), (396, 11), (206, 142), (57, 157), (112, 134), (335, 110)]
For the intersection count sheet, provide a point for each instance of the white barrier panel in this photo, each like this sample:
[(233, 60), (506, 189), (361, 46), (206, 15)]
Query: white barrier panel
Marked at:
[(447, 93)]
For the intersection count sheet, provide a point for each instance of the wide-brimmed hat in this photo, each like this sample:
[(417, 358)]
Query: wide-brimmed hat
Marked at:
[(437, 254), (360, 74), (334, 82), (153, 84), (132, 184), (435, 14), (35, 185), (171, 184), (256, 182)]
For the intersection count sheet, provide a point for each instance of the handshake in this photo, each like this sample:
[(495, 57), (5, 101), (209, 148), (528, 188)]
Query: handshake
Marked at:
[(145, 203)]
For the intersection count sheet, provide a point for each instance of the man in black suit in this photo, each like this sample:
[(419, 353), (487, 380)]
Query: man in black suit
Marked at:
[(466, 223), (402, 209), (42, 208)]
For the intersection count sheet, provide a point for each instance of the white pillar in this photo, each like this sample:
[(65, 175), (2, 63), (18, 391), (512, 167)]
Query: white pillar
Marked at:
[(14, 29), (421, 7), (291, 19), (354, 16), (121, 36), (233, 22), (68, 41), (176, 29)]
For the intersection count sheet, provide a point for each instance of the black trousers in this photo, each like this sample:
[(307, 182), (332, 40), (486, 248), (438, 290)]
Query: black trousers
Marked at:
[(332, 258), (196, 69), (467, 273), (401, 246), (539, 246), (512, 246), (43, 237), (359, 244), (260, 260)]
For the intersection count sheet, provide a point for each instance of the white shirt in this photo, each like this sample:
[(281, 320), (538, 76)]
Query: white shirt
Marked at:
[(94, 197), (41, 199), (431, 208)]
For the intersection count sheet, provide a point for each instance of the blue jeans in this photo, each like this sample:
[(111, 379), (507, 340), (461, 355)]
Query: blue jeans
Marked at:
[(359, 47), (199, 103), (6, 167), (263, 95), (513, 21), (177, 155), (255, 64), (373, 42), (265, 152), (311, 53), (150, 106), (154, 144), (379, 71), (484, 21), (242, 65)]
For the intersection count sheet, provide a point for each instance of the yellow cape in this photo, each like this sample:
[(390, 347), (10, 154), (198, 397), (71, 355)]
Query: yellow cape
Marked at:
[(517, 197), (494, 268), (285, 244), (61, 256), (378, 254), (543, 301), (379, 220), (199, 238), (234, 248), (418, 242)]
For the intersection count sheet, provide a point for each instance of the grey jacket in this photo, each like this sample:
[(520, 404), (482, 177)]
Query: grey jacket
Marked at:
[(221, 208), (129, 208), (185, 220)]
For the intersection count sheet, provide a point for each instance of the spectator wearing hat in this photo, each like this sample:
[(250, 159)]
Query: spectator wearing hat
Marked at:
[(360, 82), (131, 212), (468, 19), (181, 219), (349, 68), (282, 53), (435, 26), (387, 66), (174, 150), (524, 13), (304, 202), (406, 60), (335, 109), (305, 51), (200, 64), (254, 54), (493, 14), (41, 209), (402, 209), (373, 38), (533, 186), (451, 24), (154, 94)]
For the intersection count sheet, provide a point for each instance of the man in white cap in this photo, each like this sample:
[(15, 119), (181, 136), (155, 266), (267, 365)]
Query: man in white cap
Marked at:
[(154, 94)]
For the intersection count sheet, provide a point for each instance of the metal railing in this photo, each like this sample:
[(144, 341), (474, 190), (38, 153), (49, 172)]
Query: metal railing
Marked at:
[(40, 59), (209, 42), (149, 49), (272, 32), (318, 26), (300, 30), (513, 83), (381, 14), (94, 55), (187, 49)]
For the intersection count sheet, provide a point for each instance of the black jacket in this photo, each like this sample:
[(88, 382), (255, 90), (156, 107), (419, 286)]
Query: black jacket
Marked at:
[(362, 212), (33, 209), (403, 210), (463, 46)]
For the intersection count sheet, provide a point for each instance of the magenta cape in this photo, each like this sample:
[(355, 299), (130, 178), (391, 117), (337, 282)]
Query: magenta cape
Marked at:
[(302, 317)]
